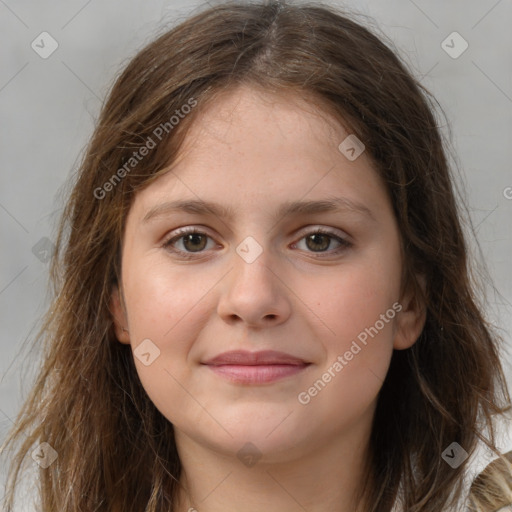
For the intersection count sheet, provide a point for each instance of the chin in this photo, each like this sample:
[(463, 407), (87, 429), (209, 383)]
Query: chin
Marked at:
[(274, 437)]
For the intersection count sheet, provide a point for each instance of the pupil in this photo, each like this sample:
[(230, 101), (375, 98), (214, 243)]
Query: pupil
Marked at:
[(314, 239), (193, 237)]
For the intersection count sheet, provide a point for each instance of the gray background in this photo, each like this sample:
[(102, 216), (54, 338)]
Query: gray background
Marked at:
[(48, 108)]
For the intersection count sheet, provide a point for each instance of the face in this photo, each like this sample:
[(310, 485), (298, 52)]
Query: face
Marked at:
[(261, 324)]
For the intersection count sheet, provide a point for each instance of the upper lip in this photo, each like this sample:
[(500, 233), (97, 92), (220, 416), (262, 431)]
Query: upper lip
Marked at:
[(264, 357)]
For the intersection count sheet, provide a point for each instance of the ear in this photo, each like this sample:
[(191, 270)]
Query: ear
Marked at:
[(118, 311), (411, 318)]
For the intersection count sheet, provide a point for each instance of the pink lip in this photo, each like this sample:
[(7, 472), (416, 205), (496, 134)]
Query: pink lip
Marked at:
[(246, 358), (255, 367)]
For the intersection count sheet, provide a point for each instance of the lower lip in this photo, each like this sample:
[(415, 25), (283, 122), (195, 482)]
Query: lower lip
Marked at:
[(257, 374)]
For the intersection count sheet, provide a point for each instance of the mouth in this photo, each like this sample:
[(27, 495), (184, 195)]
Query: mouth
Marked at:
[(263, 367)]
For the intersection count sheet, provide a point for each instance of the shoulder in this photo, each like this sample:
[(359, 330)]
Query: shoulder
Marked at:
[(492, 488)]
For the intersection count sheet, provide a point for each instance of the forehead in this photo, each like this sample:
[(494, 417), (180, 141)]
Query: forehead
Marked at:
[(252, 149), (228, 117)]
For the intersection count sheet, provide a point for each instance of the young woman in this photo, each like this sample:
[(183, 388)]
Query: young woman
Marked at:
[(263, 299)]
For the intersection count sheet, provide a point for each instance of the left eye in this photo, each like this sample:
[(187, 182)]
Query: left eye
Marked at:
[(192, 238), (322, 240), (194, 241)]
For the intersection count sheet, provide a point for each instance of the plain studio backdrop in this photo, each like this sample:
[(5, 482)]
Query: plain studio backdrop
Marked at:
[(51, 93)]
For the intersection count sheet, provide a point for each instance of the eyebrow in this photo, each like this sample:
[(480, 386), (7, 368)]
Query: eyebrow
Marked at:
[(200, 207)]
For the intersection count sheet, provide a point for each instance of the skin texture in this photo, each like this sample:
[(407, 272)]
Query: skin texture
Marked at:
[(252, 152)]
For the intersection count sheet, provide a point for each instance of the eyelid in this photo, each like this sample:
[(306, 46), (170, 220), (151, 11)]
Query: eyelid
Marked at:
[(317, 228)]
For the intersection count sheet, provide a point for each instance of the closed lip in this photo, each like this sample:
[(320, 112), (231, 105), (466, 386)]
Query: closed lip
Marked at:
[(247, 358)]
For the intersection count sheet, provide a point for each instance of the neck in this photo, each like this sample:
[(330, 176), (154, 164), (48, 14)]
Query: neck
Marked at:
[(325, 478)]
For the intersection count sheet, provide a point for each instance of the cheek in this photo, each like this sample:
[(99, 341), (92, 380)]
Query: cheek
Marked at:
[(360, 312), (164, 303), (344, 389), (167, 308), (344, 394), (356, 299)]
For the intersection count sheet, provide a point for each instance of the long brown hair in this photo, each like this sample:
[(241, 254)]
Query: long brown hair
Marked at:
[(88, 403)]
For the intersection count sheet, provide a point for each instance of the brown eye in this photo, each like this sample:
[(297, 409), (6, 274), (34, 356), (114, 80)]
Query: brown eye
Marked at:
[(319, 241), (192, 241)]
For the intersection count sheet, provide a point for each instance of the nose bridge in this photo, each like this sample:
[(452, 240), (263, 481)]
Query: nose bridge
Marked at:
[(252, 291), (252, 264)]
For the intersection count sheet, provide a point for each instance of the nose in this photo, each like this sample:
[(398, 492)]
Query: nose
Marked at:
[(254, 293)]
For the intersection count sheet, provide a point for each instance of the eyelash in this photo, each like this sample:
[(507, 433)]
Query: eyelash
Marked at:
[(344, 244)]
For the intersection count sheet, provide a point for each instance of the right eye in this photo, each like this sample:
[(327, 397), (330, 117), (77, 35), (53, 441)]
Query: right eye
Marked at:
[(193, 241)]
